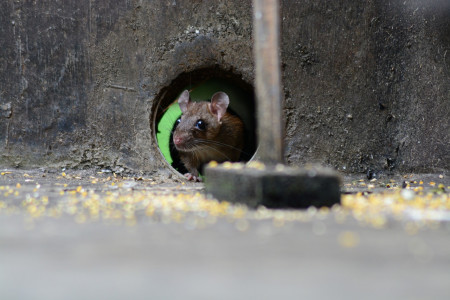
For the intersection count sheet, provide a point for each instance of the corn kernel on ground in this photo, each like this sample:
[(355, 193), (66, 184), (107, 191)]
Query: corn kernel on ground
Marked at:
[(107, 197)]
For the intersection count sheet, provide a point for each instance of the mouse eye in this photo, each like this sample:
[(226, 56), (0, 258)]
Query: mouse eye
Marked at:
[(200, 125)]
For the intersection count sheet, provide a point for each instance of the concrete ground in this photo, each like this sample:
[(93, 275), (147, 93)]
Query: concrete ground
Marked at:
[(96, 235)]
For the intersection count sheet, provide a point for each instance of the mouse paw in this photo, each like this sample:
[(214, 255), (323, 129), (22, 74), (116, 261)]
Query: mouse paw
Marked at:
[(191, 177)]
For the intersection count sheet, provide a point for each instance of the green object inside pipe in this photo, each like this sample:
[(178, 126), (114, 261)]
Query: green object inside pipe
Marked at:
[(165, 127)]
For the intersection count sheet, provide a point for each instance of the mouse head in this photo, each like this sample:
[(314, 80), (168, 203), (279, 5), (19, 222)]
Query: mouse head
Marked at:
[(200, 120), (217, 107)]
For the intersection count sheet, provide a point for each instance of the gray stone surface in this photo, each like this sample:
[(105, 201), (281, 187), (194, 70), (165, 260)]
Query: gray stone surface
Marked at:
[(60, 259), (366, 84), (321, 256)]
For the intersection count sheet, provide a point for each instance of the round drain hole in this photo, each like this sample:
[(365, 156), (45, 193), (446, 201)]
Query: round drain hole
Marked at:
[(202, 85)]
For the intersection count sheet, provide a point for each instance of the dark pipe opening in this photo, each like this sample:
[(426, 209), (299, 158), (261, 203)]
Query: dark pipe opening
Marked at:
[(202, 84)]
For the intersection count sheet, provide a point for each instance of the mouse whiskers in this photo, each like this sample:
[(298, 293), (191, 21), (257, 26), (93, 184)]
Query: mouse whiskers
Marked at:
[(211, 142), (211, 148)]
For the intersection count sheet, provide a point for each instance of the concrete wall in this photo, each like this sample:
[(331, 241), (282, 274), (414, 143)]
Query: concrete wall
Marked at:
[(366, 83)]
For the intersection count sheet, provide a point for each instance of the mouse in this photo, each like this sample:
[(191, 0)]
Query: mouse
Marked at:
[(207, 131)]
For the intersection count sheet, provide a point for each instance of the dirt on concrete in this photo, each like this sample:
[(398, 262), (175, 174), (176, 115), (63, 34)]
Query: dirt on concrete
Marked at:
[(94, 234)]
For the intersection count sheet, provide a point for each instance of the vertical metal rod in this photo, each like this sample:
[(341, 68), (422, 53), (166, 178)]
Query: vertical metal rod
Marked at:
[(266, 35)]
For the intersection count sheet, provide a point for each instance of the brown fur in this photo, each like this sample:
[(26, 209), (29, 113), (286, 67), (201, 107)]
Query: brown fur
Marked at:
[(222, 140)]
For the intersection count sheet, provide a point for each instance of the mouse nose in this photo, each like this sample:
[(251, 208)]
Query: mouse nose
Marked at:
[(177, 140)]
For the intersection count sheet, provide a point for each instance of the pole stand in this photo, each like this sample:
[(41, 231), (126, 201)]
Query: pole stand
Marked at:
[(276, 186)]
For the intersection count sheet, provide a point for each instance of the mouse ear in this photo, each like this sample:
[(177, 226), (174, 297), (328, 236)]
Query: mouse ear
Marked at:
[(219, 104), (184, 101)]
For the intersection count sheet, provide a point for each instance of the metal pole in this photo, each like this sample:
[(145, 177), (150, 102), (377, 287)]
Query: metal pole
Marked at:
[(271, 187), (266, 35)]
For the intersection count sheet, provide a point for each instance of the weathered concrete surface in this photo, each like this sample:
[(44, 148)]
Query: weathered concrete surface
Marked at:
[(61, 259), (81, 78), (366, 85)]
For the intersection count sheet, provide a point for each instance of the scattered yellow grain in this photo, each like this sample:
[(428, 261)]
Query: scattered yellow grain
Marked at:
[(242, 225), (348, 239), (227, 165), (256, 165)]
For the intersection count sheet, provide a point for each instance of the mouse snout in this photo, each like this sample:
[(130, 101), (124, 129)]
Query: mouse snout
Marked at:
[(177, 140)]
